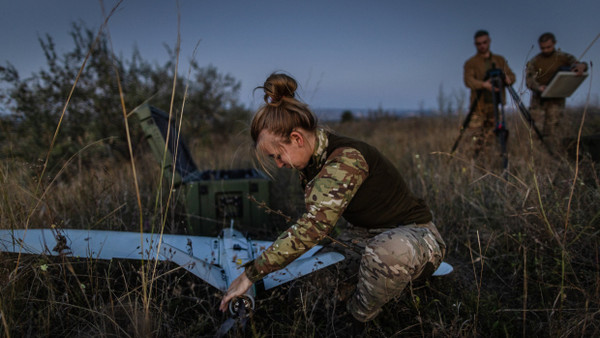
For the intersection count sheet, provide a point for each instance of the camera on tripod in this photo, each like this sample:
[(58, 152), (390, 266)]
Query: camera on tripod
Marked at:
[(496, 77), (494, 73)]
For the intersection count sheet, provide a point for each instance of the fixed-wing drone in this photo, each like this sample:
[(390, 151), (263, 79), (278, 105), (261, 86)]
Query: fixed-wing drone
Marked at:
[(216, 260)]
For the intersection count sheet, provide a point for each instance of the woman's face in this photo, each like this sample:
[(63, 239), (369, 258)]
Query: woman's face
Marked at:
[(295, 154)]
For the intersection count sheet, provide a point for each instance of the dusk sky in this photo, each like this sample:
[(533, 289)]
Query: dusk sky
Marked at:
[(344, 54)]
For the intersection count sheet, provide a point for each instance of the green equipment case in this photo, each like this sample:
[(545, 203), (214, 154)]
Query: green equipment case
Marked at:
[(213, 198)]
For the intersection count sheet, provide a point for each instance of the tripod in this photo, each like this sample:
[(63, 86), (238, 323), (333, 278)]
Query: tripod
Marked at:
[(528, 117), (496, 77)]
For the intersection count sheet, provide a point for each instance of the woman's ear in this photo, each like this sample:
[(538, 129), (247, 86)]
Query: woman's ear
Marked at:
[(297, 137)]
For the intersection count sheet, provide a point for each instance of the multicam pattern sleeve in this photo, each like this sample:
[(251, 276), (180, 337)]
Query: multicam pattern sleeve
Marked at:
[(326, 198), (531, 72)]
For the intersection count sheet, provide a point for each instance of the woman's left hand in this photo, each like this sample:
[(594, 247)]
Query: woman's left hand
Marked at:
[(237, 288)]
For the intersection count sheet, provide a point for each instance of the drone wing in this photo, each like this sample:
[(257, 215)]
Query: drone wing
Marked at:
[(79, 243), (303, 265), (443, 269), (309, 262), (193, 253), (300, 267)]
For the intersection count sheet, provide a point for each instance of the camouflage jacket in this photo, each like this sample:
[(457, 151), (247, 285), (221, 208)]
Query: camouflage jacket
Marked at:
[(338, 177), (542, 68), (540, 71)]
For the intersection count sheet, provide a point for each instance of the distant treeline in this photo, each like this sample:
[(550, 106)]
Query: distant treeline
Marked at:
[(349, 114)]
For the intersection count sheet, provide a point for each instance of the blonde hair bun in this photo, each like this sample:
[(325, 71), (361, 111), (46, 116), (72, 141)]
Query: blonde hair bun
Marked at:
[(278, 87), (282, 112)]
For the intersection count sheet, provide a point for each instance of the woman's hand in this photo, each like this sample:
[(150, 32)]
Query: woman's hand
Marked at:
[(237, 288)]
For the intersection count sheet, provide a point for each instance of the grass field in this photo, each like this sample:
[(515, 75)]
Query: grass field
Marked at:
[(524, 246)]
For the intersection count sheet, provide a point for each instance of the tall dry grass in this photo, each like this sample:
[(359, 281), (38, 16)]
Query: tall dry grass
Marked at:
[(524, 247)]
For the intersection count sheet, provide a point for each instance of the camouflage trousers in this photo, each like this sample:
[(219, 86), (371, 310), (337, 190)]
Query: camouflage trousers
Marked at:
[(482, 143), (392, 260), (480, 135), (549, 113)]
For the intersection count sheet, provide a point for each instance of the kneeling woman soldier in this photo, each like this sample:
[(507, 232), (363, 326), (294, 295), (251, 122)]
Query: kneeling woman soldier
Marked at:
[(341, 177)]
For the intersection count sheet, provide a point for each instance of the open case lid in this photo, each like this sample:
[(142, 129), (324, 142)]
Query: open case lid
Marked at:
[(563, 84), (154, 123)]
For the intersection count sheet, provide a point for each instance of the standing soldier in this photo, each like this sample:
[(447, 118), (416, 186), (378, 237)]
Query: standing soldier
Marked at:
[(540, 71), (481, 125)]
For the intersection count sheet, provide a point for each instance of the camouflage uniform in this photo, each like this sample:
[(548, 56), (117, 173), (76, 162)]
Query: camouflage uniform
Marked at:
[(539, 72), (333, 182), (480, 131), (391, 261)]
